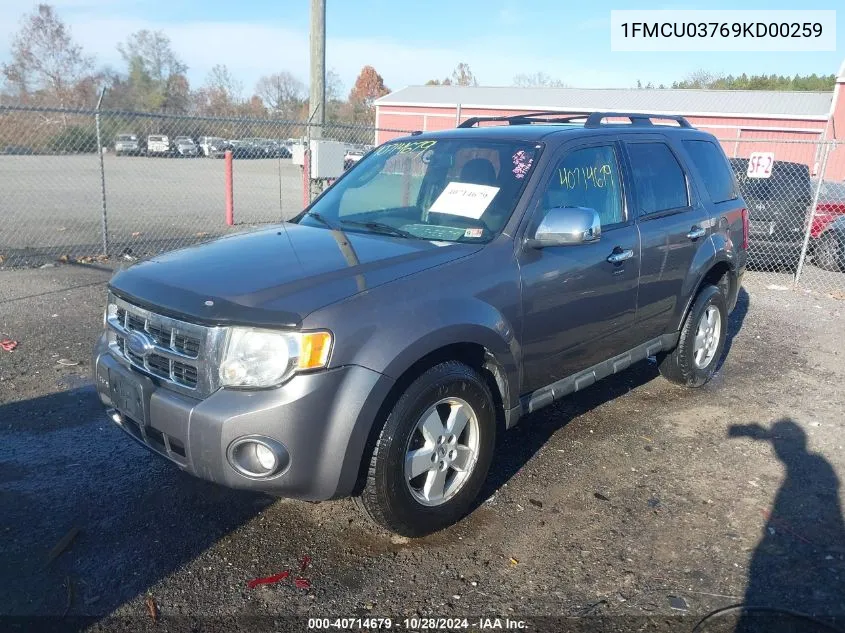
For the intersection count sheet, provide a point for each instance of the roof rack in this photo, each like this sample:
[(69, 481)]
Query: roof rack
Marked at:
[(592, 119)]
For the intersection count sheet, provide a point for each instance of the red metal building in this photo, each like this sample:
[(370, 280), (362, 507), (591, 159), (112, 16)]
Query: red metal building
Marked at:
[(791, 124)]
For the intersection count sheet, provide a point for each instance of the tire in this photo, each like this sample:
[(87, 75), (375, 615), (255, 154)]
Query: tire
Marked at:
[(828, 253), (690, 365), (450, 390)]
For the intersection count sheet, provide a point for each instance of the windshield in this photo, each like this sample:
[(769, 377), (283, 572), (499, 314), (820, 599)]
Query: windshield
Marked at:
[(449, 190), (126, 137)]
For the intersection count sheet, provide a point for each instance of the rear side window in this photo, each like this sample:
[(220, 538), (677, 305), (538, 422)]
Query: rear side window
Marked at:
[(710, 162), (659, 180)]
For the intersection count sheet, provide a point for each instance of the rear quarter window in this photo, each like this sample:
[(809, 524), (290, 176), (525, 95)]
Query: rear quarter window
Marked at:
[(710, 161)]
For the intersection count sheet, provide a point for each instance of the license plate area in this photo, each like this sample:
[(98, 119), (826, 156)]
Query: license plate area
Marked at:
[(761, 228), (127, 396)]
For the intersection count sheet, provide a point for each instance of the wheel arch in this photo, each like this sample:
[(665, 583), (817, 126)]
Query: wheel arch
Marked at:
[(439, 348), (720, 273)]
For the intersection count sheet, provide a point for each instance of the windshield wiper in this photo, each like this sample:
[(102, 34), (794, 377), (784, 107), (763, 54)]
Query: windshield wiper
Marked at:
[(380, 227), (322, 219)]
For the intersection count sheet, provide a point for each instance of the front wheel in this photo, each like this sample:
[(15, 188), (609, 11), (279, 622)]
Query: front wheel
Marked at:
[(433, 454), (701, 343)]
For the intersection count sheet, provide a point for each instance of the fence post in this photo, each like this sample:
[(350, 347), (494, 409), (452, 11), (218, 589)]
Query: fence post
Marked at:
[(104, 218), (230, 189), (809, 228), (458, 115)]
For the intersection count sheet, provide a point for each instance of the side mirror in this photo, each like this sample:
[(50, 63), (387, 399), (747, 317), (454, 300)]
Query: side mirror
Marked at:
[(566, 226)]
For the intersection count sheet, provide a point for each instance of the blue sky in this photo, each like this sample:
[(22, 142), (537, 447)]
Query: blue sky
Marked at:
[(409, 42)]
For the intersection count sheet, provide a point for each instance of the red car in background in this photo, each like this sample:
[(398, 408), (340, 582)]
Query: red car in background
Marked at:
[(828, 227)]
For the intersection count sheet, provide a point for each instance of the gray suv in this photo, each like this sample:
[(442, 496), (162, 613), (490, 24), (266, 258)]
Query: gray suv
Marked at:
[(444, 287)]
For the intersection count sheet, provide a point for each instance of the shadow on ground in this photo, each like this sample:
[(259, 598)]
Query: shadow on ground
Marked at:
[(66, 468)]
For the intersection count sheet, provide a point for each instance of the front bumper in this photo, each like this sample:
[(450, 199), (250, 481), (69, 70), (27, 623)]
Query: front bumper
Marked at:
[(323, 421)]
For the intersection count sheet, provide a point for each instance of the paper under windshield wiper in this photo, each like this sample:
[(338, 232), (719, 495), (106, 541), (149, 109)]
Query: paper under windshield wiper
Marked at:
[(379, 227)]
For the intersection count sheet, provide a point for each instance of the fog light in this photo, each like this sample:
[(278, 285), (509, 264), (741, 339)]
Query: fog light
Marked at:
[(257, 457), (266, 457)]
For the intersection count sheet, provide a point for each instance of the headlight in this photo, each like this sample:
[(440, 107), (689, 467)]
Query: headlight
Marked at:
[(110, 312), (265, 358)]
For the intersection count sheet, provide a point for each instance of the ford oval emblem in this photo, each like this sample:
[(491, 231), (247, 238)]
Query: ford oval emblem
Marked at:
[(140, 344)]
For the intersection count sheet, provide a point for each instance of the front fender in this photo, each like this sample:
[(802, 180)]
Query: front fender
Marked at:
[(395, 344), (472, 300)]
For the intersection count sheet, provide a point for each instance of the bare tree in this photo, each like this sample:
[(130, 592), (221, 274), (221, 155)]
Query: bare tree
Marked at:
[(334, 96), (46, 64), (462, 76), (221, 95), (153, 69), (700, 79), (537, 80), (283, 93)]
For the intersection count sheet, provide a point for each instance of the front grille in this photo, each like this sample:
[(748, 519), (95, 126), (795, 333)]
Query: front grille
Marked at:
[(182, 353)]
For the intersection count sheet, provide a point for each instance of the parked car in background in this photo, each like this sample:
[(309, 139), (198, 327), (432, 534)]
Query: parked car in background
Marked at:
[(158, 145), (778, 208), (213, 146), (351, 157), (828, 228), (446, 286), (242, 148), (185, 146), (17, 150), (127, 144), (263, 147)]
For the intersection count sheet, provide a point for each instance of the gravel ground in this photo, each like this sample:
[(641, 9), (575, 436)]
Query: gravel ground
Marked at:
[(634, 505)]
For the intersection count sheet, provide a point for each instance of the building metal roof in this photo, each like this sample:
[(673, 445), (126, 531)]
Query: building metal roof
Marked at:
[(735, 103)]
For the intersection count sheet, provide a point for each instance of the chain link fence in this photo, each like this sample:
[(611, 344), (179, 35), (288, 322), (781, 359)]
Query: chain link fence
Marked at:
[(81, 185), (84, 185), (796, 210)]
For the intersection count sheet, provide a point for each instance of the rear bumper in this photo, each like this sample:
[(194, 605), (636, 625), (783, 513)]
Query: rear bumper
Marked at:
[(321, 420), (761, 249)]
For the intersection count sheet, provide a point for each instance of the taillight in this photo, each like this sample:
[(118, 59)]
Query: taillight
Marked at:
[(744, 213)]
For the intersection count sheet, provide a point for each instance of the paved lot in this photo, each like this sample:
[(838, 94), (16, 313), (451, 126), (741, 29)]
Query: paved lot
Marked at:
[(52, 205), (601, 508)]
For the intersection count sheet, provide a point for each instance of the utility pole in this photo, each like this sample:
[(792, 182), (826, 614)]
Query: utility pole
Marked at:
[(317, 104)]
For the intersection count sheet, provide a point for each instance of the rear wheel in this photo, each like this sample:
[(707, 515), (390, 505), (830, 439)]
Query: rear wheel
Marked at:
[(433, 454), (828, 253), (694, 361)]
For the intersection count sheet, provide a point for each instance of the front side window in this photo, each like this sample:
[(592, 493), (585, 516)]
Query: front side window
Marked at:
[(589, 178), (658, 179), (432, 189)]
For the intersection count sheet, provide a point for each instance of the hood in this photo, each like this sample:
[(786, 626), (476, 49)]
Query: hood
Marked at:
[(275, 277)]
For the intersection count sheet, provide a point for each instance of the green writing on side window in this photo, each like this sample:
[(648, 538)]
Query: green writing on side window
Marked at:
[(599, 176), (409, 147)]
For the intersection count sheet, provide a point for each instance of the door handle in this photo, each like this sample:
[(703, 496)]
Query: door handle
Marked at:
[(618, 255), (696, 231)]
